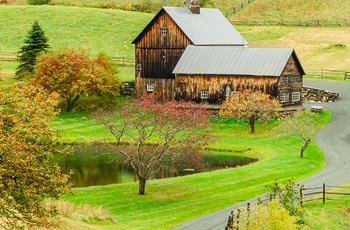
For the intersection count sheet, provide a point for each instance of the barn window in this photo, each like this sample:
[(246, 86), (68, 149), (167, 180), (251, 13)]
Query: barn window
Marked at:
[(295, 78), (164, 31), (204, 94), (296, 96), (138, 66), (228, 91), (284, 79), (283, 97), (150, 87)]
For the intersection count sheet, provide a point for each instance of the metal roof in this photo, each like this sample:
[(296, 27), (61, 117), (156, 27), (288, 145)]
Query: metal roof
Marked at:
[(209, 27), (233, 60)]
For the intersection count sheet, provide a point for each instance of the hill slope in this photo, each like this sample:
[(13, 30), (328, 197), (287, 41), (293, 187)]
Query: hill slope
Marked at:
[(297, 9), (110, 31)]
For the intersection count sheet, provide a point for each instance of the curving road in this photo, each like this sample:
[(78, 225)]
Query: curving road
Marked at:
[(333, 139)]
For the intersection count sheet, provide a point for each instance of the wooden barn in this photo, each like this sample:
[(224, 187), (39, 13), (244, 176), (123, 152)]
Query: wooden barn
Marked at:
[(160, 45), (208, 74), (193, 53)]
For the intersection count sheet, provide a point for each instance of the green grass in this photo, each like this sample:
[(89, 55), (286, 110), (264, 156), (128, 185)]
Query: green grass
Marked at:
[(333, 215), (169, 202), (296, 9), (96, 30)]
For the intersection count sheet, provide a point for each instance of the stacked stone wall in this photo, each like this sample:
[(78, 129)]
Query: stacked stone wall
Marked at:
[(128, 89), (318, 95)]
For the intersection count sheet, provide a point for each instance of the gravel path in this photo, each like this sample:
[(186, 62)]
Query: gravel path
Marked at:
[(333, 139)]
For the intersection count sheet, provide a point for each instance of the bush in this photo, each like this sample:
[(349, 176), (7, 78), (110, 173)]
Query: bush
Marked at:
[(272, 216), (38, 2)]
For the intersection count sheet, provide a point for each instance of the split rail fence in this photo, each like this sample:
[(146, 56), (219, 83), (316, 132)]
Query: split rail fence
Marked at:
[(289, 22), (335, 193), (13, 56)]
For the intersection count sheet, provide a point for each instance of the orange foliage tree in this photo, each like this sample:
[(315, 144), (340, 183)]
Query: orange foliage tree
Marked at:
[(250, 105), (73, 74), (150, 135), (27, 173)]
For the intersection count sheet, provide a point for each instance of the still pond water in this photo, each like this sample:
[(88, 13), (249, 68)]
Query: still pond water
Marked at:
[(91, 169)]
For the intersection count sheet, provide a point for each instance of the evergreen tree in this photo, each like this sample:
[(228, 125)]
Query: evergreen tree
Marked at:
[(35, 43)]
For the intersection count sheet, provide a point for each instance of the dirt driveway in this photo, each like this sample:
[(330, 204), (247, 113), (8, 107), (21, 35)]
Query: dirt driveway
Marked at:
[(333, 139)]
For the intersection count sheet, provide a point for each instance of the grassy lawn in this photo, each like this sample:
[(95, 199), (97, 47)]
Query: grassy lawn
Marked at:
[(333, 215), (169, 202)]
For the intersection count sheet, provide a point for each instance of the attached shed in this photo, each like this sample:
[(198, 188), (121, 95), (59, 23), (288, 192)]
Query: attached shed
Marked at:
[(208, 74), (162, 42)]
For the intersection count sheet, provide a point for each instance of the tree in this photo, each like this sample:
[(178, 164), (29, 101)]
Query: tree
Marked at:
[(73, 74), (27, 173), (302, 124), (250, 105), (150, 135), (35, 43)]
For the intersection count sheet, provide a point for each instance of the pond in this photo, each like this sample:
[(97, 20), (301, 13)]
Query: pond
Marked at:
[(91, 169)]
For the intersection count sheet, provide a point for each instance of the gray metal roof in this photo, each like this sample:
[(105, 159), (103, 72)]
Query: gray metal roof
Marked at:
[(210, 27), (233, 60)]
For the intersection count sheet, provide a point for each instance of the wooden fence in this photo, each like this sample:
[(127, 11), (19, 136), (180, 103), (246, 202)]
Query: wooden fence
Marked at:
[(238, 8), (327, 74), (306, 195), (290, 22), (323, 193), (13, 56)]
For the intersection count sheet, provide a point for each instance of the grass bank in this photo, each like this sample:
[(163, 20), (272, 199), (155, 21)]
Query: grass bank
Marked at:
[(333, 215), (172, 201)]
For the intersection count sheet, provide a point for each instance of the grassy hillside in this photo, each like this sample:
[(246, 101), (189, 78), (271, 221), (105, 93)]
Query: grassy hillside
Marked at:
[(297, 9), (316, 47), (110, 31)]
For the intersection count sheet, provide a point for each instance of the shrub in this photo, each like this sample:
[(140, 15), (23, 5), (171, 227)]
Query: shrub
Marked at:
[(38, 2), (272, 216)]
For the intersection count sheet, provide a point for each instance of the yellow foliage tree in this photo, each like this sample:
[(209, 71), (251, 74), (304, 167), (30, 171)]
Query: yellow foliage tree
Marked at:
[(251, 105)]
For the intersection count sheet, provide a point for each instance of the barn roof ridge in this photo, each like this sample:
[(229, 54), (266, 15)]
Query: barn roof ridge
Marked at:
[(209, 27), (233, 60)]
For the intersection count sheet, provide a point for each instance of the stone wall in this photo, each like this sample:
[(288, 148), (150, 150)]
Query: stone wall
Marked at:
[(318, 95), (128, 89)]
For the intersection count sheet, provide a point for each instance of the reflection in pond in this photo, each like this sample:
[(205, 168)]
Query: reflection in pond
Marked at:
[(90, 169)]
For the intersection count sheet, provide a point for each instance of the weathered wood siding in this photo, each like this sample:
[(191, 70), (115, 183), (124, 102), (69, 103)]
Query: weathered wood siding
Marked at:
[(158, 54), (291, 69), (164, 89), (189, 87)]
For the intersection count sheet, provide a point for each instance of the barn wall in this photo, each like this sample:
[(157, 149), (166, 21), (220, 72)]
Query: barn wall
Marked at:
[(188, 87), (159, 54), (163, 88), (291, 69)]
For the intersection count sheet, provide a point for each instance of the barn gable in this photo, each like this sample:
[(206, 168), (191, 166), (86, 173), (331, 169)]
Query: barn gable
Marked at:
[(209, 27)]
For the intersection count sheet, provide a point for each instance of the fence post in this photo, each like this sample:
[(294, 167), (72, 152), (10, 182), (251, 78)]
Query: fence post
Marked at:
[(237, 219), (301, 195), (324, 193)]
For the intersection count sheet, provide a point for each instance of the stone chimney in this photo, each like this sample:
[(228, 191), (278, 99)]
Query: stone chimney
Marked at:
[(193, 5)]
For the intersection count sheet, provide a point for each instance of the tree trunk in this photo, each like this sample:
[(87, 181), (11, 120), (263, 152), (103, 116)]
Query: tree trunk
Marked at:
[(306, 143), (70, 103), (252, 124), (142, 185)]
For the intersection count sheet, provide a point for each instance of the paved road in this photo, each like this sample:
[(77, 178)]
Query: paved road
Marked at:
[(333, 139)]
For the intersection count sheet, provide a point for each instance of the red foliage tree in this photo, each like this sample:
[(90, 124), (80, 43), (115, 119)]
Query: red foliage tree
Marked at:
[(150, 135), (73, 74)]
